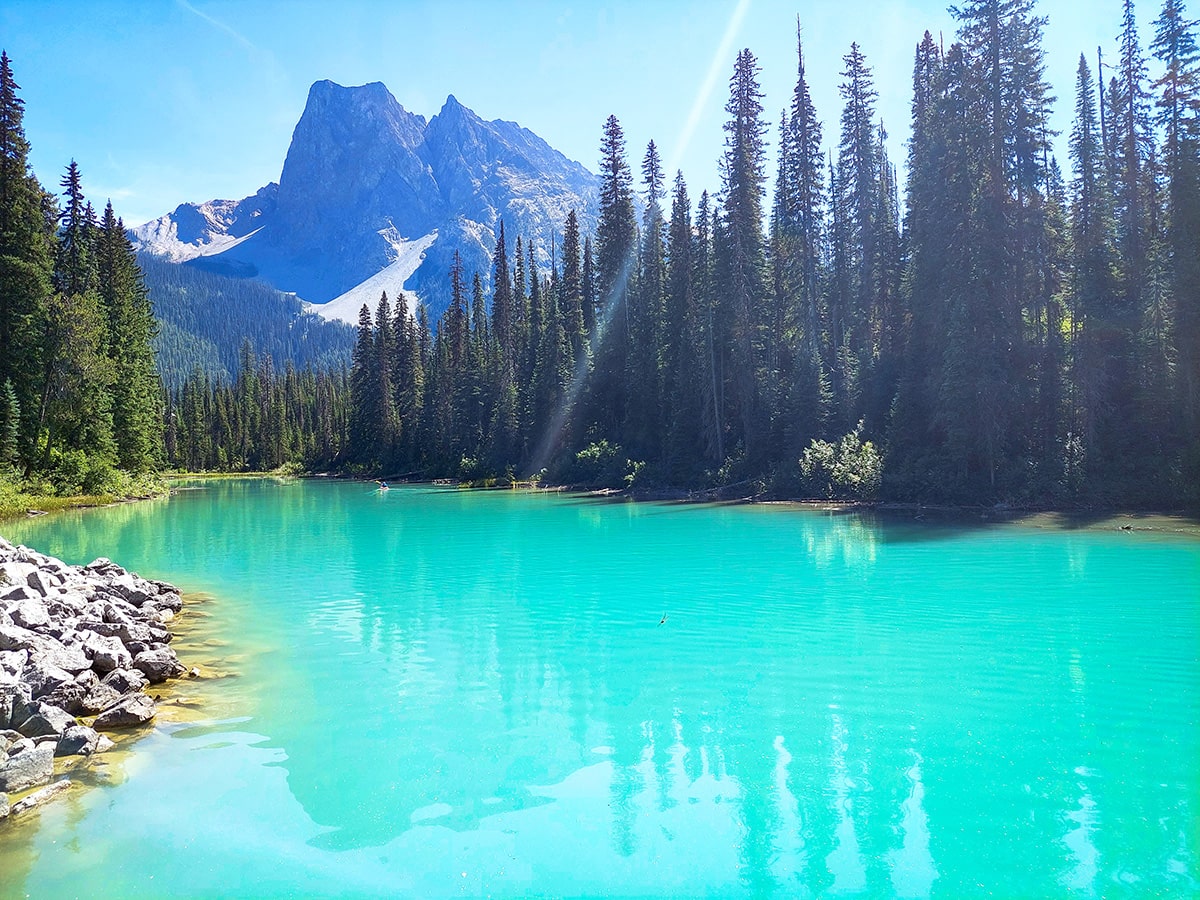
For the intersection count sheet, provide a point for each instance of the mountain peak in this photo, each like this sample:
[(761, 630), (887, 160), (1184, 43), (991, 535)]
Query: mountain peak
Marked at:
[(366, 183)]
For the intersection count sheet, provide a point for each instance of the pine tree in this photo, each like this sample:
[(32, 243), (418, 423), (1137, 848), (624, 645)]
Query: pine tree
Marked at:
[(740, 249), (25, 261), (574, 308), (616, 242), (363, 428), (1175, 46), (1096, 334), (644, 415), (131, 323)]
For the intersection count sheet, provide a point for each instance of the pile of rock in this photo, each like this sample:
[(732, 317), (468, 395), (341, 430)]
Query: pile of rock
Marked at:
[(75, 641)]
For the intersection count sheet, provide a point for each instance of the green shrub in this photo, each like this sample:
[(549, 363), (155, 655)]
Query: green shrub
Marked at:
[(851, 468)]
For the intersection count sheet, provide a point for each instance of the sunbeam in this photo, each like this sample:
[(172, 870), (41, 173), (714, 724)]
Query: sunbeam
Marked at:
[(579, 377)]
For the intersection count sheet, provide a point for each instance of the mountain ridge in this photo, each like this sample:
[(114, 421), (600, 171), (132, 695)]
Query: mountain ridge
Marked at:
[(369, 190)]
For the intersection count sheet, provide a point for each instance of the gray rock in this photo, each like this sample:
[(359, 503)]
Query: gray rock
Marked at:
[(104, 629), (43, 581), (15, 572), (7, 692), (158, 665), (30, 613), (99, 698), (19, 745), (16, 594), (69, 659), (107, 653), (116, 615), (12, 662), (68, 605), (132, 709), (43, 677), (132, 589), (135, 632), (4, 807), (27, 768), (14, 637), (78, 740), (69, 697), (37, 798), (46, 719), (123, 681)]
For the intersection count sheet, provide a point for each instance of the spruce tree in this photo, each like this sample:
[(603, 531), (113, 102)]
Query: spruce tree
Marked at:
[(25, 260), (363, 426), (132, 326), (574, 309), (616, 243), (740, 250)]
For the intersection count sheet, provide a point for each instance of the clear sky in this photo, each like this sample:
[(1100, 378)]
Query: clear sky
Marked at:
[(166, 101)]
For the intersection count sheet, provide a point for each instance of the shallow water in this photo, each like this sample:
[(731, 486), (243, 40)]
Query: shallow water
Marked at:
[(432, 692)]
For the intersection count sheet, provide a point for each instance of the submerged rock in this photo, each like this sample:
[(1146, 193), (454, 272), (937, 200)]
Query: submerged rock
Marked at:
[(37, 798)]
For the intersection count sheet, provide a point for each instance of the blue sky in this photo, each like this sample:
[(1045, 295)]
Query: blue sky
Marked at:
[(167, 101)]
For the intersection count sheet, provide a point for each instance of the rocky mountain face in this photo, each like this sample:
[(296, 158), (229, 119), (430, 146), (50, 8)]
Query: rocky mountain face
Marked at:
[(373, 197)]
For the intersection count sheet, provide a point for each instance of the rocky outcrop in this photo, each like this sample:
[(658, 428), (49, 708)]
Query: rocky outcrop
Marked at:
[(364, 185), (74, 641)]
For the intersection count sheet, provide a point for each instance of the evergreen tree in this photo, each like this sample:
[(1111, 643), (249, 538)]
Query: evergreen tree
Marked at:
[(574, 308), (363, 428), (136, 388), (741, 252), (1175, 46), (1096, 336), (644, 415), (616, 243), (25, 260)]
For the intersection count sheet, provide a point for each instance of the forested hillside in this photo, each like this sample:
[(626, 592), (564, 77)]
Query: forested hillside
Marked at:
[(205, 317)]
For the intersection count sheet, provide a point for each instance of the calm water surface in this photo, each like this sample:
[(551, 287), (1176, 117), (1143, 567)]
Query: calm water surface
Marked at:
[(435, 693)]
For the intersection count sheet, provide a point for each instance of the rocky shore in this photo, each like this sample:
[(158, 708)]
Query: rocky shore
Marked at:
[(78, 647)]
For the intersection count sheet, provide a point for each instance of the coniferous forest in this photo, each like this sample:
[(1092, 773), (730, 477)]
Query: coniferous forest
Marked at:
[(1005, 326), (80, 397)]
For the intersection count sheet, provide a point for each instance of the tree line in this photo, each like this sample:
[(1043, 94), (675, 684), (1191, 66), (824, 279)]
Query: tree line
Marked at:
[(1001, 330), (80, 398)]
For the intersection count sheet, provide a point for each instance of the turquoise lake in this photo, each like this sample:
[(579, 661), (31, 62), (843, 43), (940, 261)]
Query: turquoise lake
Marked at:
[(429, 692)]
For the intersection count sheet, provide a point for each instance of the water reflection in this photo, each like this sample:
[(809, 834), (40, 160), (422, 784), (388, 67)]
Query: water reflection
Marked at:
[(480, 681)]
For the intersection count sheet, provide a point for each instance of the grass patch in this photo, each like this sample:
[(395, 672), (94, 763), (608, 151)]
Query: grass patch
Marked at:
[(20, 497)]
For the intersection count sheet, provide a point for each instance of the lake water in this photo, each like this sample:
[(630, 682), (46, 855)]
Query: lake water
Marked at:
[(431, 692)]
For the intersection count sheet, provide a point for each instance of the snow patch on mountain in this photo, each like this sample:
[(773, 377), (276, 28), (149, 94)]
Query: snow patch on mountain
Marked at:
[(408, 257)]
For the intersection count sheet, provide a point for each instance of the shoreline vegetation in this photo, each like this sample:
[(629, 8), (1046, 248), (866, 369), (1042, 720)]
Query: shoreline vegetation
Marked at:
[(78, 647)]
